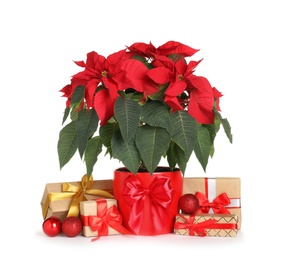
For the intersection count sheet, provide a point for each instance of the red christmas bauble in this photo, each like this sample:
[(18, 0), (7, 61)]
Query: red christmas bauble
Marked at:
[(52, 226), (72, 226), (188, 203)]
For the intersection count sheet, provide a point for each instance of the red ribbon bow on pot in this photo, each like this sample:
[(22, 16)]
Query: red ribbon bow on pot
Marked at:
[(218, 204), (152, 201)]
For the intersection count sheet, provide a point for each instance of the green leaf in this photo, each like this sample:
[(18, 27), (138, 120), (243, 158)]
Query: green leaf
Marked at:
[(127, 114), (160, 93), (225, 124), (139, 57), (77, 96), (212, 151), (171, 155), (67, 144), (212, 129), (74, 114), (184, 131), (155, 113), (217, 123), (181, 158), (106, 133), (175, 57), (93, 149), (203, 146), (126, 152), (227, 129), (86, 126), (153, 143), (176, 156), (65, 115)]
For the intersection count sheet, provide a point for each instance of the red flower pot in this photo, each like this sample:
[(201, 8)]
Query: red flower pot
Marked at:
[(148, 202)]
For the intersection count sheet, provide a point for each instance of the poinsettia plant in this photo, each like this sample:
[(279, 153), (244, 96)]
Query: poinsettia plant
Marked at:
[(141, 104)]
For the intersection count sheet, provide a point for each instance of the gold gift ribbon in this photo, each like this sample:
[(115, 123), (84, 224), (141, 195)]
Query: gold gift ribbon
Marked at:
[(75, 192)]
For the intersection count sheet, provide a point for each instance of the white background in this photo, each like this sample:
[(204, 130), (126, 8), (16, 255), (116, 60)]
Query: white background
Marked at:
[(239, 42)]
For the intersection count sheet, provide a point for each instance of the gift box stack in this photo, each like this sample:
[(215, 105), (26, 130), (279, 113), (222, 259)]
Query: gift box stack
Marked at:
[(219, 210), (91, 201), (218, 213), (63, 199)]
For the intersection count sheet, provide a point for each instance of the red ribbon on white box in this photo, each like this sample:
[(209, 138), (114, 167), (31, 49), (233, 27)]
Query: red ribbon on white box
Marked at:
[(211, 190)]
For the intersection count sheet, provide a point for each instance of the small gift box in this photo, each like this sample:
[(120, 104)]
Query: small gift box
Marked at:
[(62, 199), (216, 195), (212, 225), (100, 217)]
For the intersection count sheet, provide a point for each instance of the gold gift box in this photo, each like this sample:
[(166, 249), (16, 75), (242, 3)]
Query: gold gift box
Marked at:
[(216, 186), (90, 208), (212, 225), (59, 207)]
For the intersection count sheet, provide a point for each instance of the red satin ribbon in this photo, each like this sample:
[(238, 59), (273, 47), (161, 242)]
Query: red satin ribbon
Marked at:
[(200, 228), (218, 204), (157, 198), (105, 218)]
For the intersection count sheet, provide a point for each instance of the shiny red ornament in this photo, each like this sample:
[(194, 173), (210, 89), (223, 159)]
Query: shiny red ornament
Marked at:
[(188, 203), (52, 226)]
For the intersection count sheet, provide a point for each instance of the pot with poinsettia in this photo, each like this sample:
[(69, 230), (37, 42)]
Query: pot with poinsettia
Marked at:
[(142, 104)]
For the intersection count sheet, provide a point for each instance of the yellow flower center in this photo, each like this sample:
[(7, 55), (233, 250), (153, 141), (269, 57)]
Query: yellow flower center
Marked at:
[(180, 76), (104, 73)]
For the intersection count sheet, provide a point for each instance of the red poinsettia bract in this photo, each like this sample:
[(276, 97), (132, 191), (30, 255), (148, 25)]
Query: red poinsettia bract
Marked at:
[(161, 72), (103, 73)]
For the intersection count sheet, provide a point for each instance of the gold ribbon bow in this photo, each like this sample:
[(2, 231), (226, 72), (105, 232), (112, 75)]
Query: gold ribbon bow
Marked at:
[(77, 193)]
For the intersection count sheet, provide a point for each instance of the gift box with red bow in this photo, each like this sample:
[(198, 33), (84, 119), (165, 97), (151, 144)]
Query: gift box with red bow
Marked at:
[(101, 217), (216, 195), (62, 199), (212, 225)]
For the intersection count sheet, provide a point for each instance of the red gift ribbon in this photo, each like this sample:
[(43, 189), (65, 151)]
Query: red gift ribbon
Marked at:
[(158, 196), (200, 228), (218, 204), (105, 218)]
